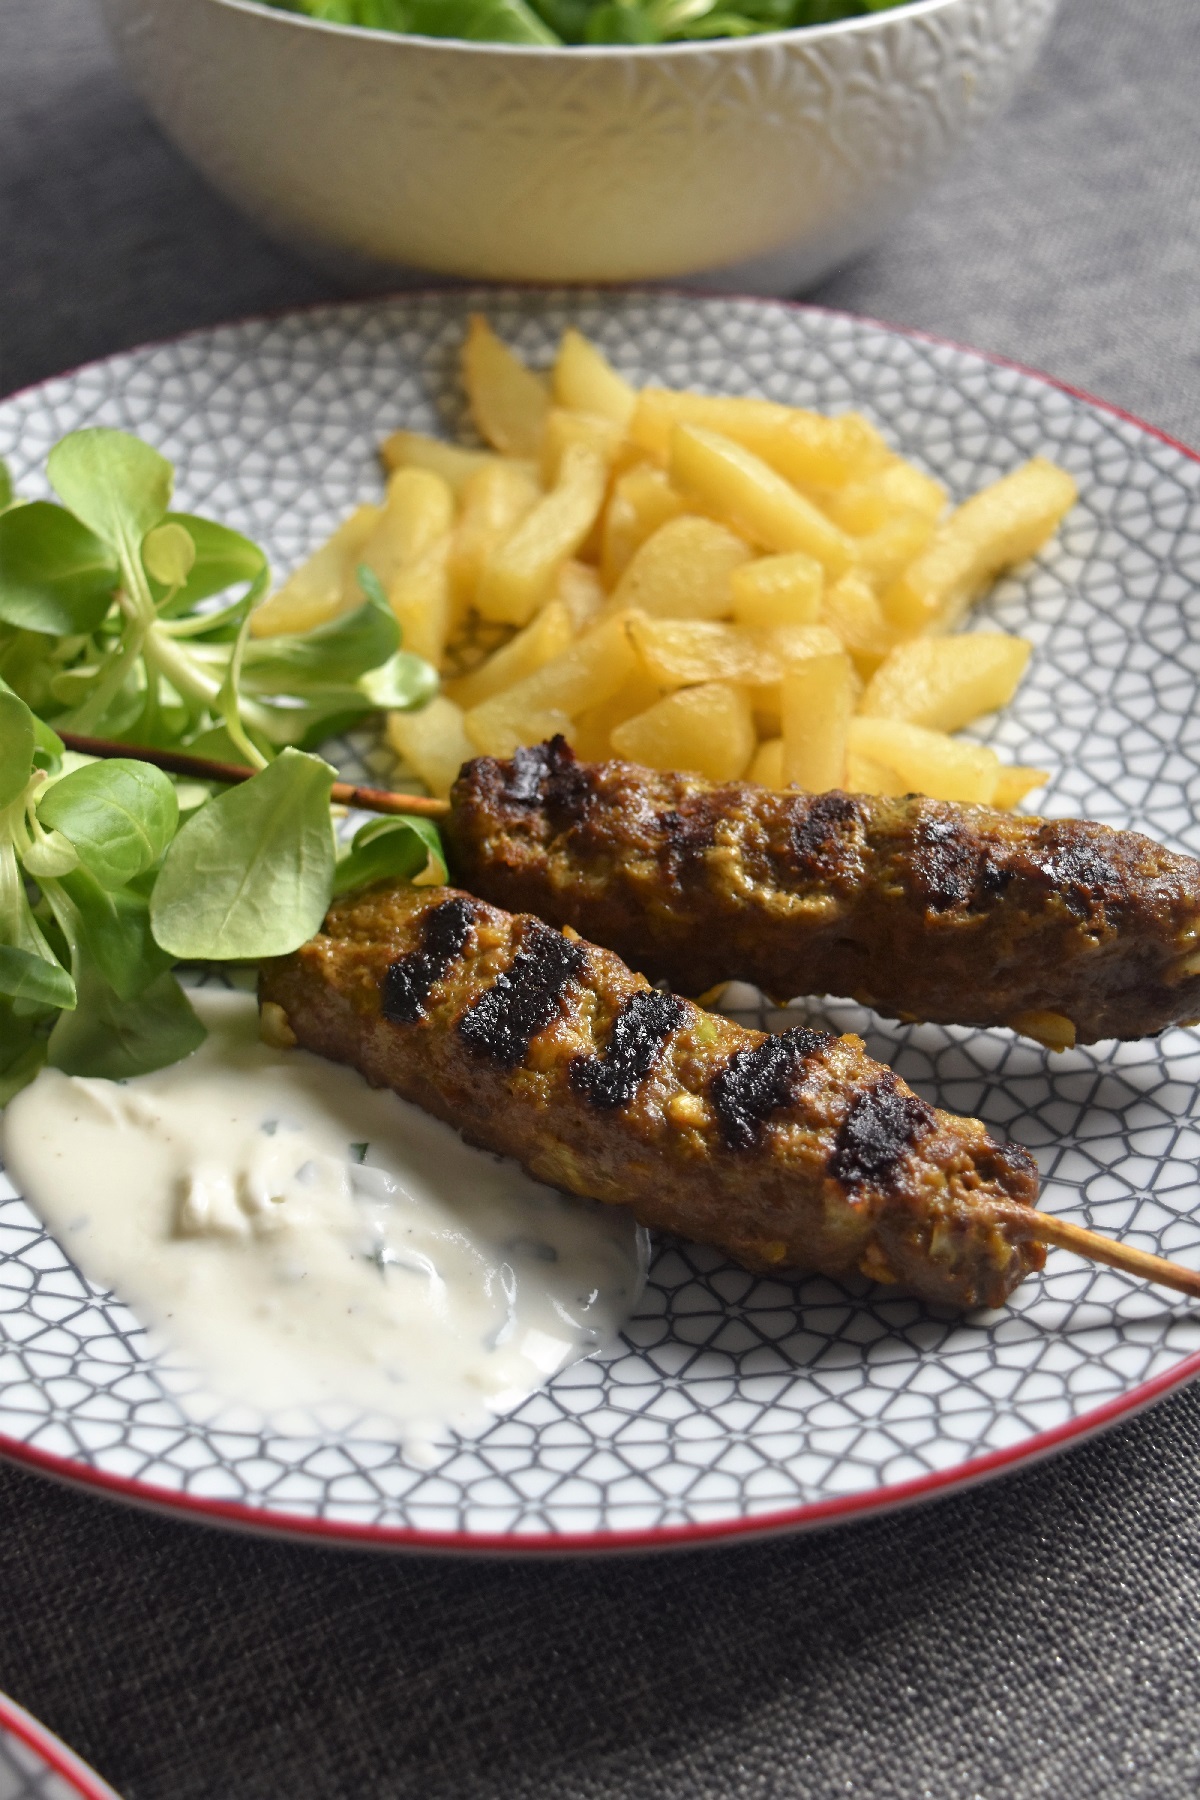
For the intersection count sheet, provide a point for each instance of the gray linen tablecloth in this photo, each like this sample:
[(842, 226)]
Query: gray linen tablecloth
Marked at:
[(1038, 1637)]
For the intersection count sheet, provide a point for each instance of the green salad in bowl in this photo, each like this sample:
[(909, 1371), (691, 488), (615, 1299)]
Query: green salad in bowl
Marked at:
[(583, 21)]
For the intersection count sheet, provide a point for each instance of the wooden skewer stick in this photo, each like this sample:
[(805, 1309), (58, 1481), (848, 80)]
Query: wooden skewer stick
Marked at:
[(1118, 1256), (178, 762), (1042, 1228)]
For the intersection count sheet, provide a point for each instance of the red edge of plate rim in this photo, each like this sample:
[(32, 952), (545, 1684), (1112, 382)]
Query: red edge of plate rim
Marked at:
[(811, 1514), (54, 1753)]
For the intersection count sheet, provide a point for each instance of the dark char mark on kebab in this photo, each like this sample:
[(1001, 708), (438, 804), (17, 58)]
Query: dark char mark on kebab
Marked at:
[(690, 829), (408, 982), (877, 1132), (1077, 871), (757, 1082), (505, 1019), (949, 869), (635, 1045), (823, 829), (550, 776)]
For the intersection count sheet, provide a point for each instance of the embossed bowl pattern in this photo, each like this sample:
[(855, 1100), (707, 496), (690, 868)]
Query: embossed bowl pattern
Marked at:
[(732, 1403), (766, 160)]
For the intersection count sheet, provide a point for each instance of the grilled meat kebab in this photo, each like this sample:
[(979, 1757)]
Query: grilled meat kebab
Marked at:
[(791, 1151), (1064, 930)]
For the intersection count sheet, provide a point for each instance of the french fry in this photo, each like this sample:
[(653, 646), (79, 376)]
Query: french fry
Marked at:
[(586, 381), (564, 427), (1014, 782), (790, 646), (695, 581), (708, 729), (737, 485), (589, 671), (683, 571), (518, 576), (432, 742), (685, 652), (816, 704), (904, 485), (579, 587), (883, 554), (997, 528), (945, 682), (767, 765), (508, 402), (866, 776), (659, 410), (928, 762), (316, 591), (419, 595), (544, 638), (863, 506), (851, 608), (778, 590), (768, 709), (819, 454), (494, 500), (595, 725), (413, 450), (642, 500), (418, 511), (804, 447)]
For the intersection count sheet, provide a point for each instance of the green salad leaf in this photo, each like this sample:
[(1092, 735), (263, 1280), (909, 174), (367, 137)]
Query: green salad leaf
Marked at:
[(401, 847), (222, 558), (55, 575), (22, 1049), (250, 874), (17, 743), (116, 1038), (168, 553), (495, 21), (121, 618), (115, 483), (111, 928), (119, 815), (583, 21), (340, 651)]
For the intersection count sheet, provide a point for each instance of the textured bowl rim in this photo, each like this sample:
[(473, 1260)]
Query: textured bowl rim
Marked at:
[(798, 34), (785, 1521)]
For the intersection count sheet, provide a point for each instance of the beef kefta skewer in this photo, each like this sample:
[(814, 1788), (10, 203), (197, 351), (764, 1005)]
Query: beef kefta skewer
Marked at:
[(1065, 930), (789, 1151)]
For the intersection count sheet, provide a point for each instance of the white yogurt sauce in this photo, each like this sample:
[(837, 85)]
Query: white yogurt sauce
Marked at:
[(311, 1242)]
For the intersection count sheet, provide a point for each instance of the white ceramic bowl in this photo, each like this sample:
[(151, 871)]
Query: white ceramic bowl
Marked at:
[(759, 162)]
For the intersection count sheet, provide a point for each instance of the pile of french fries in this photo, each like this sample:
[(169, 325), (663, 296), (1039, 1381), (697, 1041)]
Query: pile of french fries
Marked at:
[(722, 585)]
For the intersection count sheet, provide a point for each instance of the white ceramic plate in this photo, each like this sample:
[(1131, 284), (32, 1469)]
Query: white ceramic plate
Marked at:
[(35, 1765), (734, 1404)]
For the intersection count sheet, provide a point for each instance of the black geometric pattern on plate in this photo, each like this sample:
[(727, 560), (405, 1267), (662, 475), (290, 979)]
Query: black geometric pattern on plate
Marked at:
[(731, 1396)]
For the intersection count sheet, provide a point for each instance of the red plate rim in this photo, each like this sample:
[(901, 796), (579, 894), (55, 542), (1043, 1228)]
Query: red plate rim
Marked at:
[(54, 1753), (813, 1514)]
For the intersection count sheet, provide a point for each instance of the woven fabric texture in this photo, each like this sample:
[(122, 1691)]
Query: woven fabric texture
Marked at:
[(1037, 1637)]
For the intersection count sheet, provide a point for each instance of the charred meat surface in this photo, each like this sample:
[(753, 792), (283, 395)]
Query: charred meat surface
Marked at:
[(920, 908), (787, 1152)]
